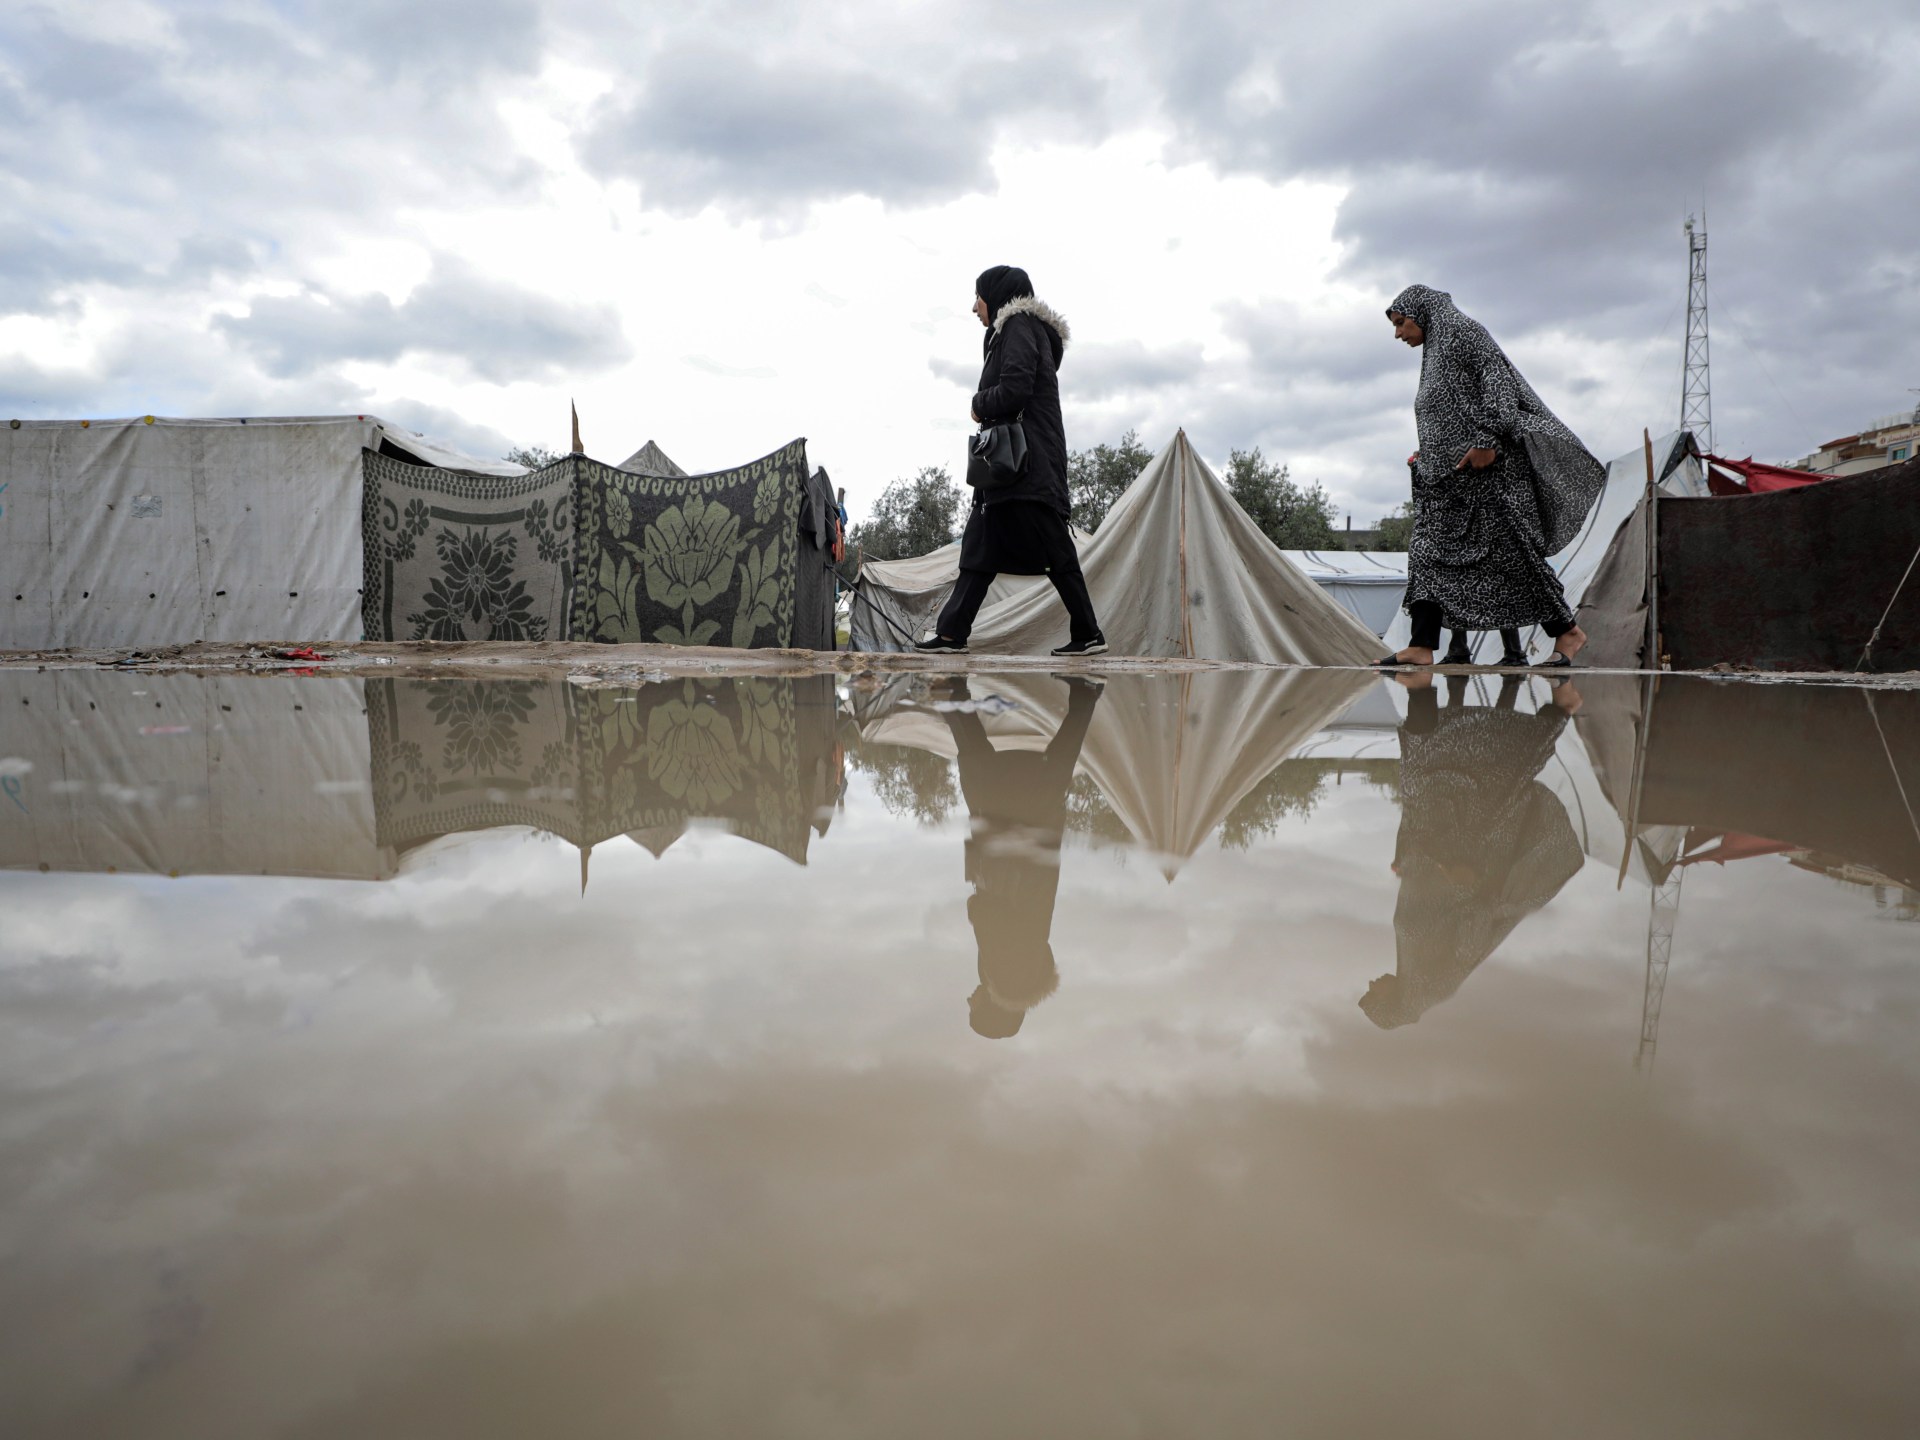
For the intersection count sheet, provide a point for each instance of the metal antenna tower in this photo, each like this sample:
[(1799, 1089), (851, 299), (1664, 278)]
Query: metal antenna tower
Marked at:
[(1663, 912), (1696, 400)]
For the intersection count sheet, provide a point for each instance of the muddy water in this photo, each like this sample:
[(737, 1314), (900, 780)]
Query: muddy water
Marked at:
[(1229, 1054)]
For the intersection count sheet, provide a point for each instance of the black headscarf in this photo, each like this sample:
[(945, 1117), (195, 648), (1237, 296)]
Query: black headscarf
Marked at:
[(1000, 284)]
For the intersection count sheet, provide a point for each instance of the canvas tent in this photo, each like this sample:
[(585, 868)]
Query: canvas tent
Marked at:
[(1585, 568), (1176, 568), (155, 531), (1171, 771)]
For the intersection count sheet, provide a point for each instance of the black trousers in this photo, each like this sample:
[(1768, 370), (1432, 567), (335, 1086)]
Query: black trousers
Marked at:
[(1429, 619), (970, 592)]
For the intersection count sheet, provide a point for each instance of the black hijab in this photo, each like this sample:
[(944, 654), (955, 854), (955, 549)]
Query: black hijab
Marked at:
[(1000, 284)]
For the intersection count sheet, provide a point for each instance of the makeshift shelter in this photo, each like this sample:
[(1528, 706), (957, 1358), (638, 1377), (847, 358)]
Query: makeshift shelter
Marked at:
[(1176, 568), (650, 459), (1590, 577), (1801, 577), (1368, 584), (181, 775), (154, 530), (1171, 771), (582, 550)]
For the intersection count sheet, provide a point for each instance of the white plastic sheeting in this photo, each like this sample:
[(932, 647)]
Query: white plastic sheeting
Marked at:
[(1176, 568), (123, 533), (1368, 584), (1678, 473)]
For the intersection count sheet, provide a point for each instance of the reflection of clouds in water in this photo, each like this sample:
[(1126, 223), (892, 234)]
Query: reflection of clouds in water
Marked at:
[(473, 1146)]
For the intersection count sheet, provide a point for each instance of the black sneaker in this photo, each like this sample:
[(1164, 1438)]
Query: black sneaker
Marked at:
[(1096, 646), (940, 645)]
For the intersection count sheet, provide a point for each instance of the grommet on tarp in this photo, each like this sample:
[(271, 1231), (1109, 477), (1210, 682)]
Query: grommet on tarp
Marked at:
[(86, 424), (13, 424), (148, 420)]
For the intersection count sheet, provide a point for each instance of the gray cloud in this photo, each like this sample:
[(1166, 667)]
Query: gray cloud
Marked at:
[(501, 332), (1537, 162), (715, 125)]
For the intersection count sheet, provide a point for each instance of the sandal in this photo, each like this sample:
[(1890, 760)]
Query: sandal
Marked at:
[(1555, 661), (1394, 662)]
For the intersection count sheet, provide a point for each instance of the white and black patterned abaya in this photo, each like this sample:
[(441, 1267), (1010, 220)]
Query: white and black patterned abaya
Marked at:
[(1481, 538), (1482, 844)]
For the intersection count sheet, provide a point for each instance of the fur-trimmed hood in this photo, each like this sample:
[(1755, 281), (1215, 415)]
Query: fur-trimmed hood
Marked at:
[(1041, 311)]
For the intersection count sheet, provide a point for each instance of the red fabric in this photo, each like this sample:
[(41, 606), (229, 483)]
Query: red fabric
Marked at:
[(1732, 846), (1755, 478)]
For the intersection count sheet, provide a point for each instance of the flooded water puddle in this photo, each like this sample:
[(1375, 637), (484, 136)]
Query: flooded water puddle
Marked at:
[(1221, 1054)]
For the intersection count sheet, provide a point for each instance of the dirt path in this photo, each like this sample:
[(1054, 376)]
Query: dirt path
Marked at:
[(635, 663)]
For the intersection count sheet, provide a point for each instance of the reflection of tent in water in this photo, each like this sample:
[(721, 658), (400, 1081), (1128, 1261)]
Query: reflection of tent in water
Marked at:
[(344, 779), (592, 763), (1176, 568), (179, 775), (1172, 755)]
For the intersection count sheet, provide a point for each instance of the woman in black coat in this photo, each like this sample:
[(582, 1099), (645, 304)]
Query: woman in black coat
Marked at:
[(1021, 528)]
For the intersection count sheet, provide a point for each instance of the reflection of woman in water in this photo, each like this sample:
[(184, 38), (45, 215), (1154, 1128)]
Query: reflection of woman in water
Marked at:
[(1018, 801), (1482, 845)]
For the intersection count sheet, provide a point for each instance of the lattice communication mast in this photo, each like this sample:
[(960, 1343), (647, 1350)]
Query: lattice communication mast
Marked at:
[(1696, 399)]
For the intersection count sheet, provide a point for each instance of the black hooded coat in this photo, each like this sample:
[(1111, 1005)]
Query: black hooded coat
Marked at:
[(1025, 342)]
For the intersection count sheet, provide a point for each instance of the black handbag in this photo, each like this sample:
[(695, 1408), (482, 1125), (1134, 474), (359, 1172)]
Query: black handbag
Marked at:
[(996, 456)]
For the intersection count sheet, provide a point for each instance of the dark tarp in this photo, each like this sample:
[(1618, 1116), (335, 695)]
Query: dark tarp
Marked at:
[(690, 560)]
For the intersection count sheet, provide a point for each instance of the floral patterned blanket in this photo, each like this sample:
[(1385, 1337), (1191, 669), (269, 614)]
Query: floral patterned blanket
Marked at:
[(690, 560), (451, 555)]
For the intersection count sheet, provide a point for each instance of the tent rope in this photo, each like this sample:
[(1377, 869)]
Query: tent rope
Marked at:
[(859, 589), (1888, 611), (1887, 750)]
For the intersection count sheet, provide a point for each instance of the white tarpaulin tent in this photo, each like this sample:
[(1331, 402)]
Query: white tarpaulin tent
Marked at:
[(156, 531), (1176, 568), (1368, 584), (1678, 473)]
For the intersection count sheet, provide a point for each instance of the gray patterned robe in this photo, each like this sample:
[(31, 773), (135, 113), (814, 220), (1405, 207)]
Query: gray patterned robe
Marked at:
[(1481, 538)]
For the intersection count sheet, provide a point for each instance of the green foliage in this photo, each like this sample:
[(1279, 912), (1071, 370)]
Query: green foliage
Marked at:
[(1296, 788), (1097, 477), (1293, 517), (1396, 530), (912, 784), (534, 457), (912, 517)]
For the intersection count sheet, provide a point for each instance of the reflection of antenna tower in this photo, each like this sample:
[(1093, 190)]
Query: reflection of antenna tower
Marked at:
[(1696, 401), (1660, 922)]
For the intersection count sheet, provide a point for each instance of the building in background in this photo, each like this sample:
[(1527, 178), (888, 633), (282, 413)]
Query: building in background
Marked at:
[(1887, 441)]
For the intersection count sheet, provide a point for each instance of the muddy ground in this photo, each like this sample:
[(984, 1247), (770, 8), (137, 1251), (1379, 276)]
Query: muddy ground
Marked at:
[(632, 663)]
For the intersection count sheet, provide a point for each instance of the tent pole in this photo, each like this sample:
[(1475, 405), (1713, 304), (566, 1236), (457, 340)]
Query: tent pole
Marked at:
[(1653, 559)]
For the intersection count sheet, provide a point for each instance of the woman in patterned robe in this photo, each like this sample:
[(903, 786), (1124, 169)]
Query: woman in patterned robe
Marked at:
[(1482, 844), (1501, 483)]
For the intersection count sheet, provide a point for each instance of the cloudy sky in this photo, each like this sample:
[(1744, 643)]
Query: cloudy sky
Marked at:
[(724, 225)]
